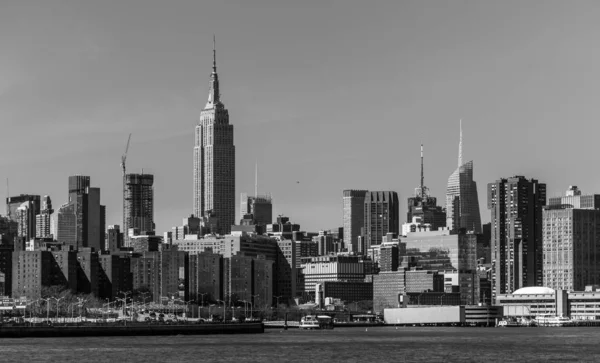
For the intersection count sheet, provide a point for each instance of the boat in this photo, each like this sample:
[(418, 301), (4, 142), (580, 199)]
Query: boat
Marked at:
[(546, 320), (509, 323), (316, 322)]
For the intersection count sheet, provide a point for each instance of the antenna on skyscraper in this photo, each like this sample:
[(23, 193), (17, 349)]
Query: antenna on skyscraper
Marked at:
[(7, 196), (422, 175), (256, 179), (460, 145)]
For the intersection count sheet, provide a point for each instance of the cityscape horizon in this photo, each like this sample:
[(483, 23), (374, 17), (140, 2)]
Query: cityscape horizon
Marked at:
[(83, 126)]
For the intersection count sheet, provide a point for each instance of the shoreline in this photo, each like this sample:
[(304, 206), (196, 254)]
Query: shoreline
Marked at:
[(128, 330)]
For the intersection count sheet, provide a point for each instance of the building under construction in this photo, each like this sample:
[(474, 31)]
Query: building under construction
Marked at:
[(138, 197)]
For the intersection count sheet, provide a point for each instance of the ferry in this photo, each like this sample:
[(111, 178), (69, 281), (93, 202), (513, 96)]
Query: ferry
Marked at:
[(546, 320), (509, 323), (316, 322)]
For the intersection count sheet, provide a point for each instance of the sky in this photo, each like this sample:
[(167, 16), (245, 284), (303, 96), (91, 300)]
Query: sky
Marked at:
[(323, 95)]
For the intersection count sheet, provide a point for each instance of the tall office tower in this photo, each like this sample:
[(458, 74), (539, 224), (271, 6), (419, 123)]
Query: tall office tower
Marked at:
[(259, 206), (139, 204), (78, 187), (462, 202), (114, 240), (26, 220), (214, 160), (88, 227), (571, 234), (381, 216), (42, 220), (12, 203), (353, 217), (516, 243), (424, 206), (23, 209), (65, 225), (571, 247)]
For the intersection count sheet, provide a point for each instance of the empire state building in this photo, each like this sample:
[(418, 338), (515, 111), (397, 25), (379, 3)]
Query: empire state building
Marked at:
[(214, 160)]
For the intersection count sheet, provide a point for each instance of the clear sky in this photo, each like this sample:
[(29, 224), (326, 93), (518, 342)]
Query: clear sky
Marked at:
[(325, 95)]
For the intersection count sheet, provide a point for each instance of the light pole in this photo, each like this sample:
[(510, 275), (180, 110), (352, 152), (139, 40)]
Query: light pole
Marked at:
[(80, 302), (58, 306), (202, 295), (223, 309)]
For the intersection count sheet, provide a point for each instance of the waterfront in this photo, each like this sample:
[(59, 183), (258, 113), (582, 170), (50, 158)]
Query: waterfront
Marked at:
[(414, 344)]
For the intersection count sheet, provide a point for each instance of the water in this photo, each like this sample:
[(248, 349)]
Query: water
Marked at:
[(377, 344)]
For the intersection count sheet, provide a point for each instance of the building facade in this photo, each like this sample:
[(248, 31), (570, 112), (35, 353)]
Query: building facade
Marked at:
[(260, 207), (571, 247), (381, 211), (139, 204), (516, 239), (353, 217), (214, 160), (462, 201)]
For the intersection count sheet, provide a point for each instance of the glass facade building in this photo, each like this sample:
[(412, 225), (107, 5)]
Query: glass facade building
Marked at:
[(462, 201)]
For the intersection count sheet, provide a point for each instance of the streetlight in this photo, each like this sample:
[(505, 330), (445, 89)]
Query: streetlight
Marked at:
[(58, 306), (223, 309), (202, 295), (30, 312), (48, 306)]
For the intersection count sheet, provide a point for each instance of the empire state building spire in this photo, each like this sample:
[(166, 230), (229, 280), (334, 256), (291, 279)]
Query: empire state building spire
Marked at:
[(214, 98)]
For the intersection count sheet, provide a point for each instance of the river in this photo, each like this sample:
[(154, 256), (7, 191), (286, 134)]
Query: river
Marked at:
[(375, 344)]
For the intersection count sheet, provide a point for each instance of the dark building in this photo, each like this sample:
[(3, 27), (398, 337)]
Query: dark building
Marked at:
[(434, 298), (388, 257), (34, 270), (6, 259), (114, 275), (163, 273), (348, 291), (206, 277), (139, 204), (516, 239), (353, 217), (114, 239), (381, 216), (145, 243), (80, 222), (87, 271), (424, 207), (13, 203), (248, 279), (259, 208)]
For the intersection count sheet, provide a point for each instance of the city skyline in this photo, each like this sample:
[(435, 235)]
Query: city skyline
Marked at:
[(84, 86)]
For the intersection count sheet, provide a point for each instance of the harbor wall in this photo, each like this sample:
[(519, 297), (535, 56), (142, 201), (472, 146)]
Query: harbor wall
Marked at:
[(135, 329)]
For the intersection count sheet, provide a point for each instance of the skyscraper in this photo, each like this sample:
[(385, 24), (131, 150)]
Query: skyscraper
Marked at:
[(571, 241), (81, 221), (42, 220), (259, 206), (424, 206), (516, 217), (139, 204), (23, 209), (214, 160), (381, 216), (462, 203), (353, 217)]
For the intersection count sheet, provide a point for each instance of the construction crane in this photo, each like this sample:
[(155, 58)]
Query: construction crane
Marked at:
[(123, 160)]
